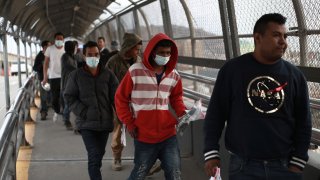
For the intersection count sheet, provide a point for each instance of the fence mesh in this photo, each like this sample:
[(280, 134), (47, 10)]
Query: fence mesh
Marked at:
[(208, 42)]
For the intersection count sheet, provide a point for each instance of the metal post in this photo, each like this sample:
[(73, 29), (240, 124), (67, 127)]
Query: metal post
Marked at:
[(225, 29), (233, 28), (119, 29), (193, 41), (25, 52), (6, 76), (31, 59), (166, 17), (302, 31), (19, 60), (136, 22)]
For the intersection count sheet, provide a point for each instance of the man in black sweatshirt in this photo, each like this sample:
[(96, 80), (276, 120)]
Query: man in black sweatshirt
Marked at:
[(265, 102), (38, 67)]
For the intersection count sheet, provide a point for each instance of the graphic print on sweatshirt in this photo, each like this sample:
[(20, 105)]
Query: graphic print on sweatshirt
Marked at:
[(265, 94)]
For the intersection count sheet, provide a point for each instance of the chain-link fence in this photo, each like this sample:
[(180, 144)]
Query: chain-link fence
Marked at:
[(198, 29)]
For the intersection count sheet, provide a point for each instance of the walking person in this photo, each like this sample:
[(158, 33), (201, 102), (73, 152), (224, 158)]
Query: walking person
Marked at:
[(90, 94), (114, 49), (265, 102), (104, 52), (68, 64), (142, 104), (38, 67), (78, 55), (119, 65), (52, 71)]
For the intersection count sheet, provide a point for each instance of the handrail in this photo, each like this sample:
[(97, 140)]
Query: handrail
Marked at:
[(199, 78), (314, 103), (12, 129), (196, 96), (315, 137), (193, 94)]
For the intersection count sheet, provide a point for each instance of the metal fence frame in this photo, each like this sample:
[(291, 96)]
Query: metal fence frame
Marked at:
[(310, 74), (12, 132)]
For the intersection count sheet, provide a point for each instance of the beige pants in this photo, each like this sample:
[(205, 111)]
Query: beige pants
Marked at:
[(116, 144)]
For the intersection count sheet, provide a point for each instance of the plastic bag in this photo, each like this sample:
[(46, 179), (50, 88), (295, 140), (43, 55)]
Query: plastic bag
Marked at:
[(217, 176), (123, 135), (195, 113)]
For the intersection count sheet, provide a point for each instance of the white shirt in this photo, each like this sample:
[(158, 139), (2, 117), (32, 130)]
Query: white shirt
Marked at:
[(54, 54)]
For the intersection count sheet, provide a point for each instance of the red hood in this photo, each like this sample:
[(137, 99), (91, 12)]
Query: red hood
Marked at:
[(174, 52)]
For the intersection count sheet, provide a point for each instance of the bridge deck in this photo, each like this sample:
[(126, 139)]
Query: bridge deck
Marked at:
[(60, 154)]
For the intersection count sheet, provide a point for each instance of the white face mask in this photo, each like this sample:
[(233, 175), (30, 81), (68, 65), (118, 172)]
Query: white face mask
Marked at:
[(58, 43), (161, 60), (92, 61)]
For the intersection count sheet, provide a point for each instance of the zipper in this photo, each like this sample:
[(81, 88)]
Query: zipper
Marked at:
[(158, 84)]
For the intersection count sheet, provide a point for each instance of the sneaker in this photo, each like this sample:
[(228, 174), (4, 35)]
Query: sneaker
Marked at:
[(116, 165), (55, 117), (43, 115), (68, 125), (76, 131), (154, 169)]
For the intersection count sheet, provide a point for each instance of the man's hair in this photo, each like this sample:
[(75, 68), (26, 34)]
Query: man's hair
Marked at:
[(102, 38), (69, 47), (89, 44), (58, 34), (44, 43), (164, 43), (262, 23), (75, 43)]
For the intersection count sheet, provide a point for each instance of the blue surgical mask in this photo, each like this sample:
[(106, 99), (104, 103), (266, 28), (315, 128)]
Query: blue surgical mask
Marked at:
[(92, 62), (161, 60), (58, 43)]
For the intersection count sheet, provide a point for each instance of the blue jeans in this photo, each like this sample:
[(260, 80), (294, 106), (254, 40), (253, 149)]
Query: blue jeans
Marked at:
[(95, 142), (249, 169), (146, 154)]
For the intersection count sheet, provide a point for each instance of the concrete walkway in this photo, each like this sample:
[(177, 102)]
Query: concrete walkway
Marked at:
[(59, 154)]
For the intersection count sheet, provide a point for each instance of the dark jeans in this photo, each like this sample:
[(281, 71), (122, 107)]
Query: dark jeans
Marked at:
[(95, 142), (43, 100), (145, 155), (55, 91), (66, 112), (248, 169)]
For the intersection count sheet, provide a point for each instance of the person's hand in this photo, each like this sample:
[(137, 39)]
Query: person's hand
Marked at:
[(294, 169), (210, 167), (134, 132), (44, 81)]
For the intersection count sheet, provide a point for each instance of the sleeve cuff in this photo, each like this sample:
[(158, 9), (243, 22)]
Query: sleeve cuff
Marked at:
[(130, 127), (299, 163), (182, 114), (214, 154)]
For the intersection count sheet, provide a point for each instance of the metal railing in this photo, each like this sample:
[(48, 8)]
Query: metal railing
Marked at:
[(12, 133), (193, 94), (314, 103)]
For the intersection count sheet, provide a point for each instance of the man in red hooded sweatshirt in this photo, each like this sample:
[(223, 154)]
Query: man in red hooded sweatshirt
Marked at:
[(142, 104)]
